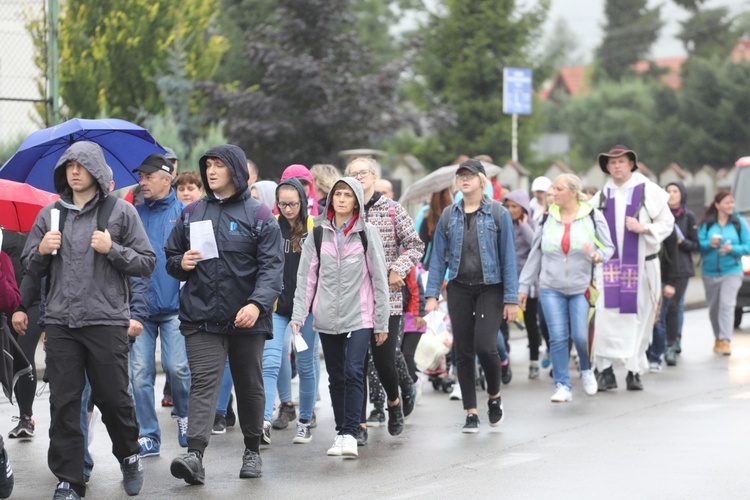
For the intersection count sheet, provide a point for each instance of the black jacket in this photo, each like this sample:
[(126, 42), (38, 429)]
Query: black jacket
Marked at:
[(285, 306), (687, 223), (250, 262)]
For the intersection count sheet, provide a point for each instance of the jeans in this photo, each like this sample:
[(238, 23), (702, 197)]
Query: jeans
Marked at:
[(345, 360), (308, 369), (501, 348), (273, 352), (659, 340), (143, 371), (225, 391), (88, 462), (567, 317)]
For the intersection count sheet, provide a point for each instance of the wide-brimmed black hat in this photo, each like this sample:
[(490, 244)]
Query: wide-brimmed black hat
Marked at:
[(472, 165), (616, 151)]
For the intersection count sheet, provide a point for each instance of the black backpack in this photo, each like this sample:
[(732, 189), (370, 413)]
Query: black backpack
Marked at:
[(105, 207)]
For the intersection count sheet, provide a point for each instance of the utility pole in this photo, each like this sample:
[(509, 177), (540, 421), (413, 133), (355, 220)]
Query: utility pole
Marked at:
[(53, 56)]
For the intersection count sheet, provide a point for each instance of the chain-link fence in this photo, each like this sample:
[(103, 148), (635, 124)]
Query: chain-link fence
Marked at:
[(20, 77)]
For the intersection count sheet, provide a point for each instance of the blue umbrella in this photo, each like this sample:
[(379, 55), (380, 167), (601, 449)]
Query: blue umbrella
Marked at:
[(125, 146)]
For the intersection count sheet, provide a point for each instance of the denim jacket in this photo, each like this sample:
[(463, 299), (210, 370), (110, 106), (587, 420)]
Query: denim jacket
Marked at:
[(496, 248)]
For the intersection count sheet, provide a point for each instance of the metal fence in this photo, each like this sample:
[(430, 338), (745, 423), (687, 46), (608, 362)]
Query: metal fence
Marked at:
[(19, 76)]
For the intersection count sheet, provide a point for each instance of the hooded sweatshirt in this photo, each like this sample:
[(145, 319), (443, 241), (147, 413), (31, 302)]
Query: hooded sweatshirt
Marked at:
[(85, 287), (686, 221), (266, 193), (347, 289), (250, 261), (523, 232), (301, 172)]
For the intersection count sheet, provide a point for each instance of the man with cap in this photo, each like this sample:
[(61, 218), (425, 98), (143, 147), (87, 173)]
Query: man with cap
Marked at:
[(172, 157), (159, 213), (539, 188), (639, 220)]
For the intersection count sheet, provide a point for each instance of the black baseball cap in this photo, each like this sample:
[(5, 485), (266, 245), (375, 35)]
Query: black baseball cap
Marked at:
[(472, 165), (155, 163)]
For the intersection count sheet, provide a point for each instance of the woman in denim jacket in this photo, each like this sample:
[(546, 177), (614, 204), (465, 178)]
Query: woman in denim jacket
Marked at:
[(481, 262)]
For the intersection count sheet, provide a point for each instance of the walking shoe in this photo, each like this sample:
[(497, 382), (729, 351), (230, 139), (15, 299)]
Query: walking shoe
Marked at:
[(362, 436), (189, 467), (166, 401), (377, 417), (149, 447), (7, 480), (408, 400), (266, 436), (562, 394), (670, 355), (287, 413), (589, 382), (335, 449), (251, 464), (231, 417), (220, 424), (349, 446), (395, 420), (64, 492), (24, 429), (303, 435), (418, 388), (606, 380), (725, 348), (717, 345), (472, 424), (313, 422), (654, 367), (495, 412), (546, 360), (182, 428), (456, 393), (506, 374), (679, 345), (633, 382), (534, 370), (132, 475)]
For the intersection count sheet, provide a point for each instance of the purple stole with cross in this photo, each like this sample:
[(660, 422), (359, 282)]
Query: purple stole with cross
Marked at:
[(621, 272)]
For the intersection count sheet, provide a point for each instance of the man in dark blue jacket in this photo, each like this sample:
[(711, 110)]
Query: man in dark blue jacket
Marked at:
[(159, 213), (226, 304)]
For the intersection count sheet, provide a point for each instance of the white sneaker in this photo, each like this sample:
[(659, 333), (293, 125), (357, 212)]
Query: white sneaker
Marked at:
[(456, 393), (418, 388), (590, 386), (561, 395), (335, 449), (349, 446), (654, 367)]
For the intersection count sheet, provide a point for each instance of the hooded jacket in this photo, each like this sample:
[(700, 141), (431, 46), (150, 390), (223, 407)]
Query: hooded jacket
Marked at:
[(685, 220), (715, 263), (249, 263), (523, 232), (266, 193), (86, 288), (302, 172), (347, 289), (285, 305)]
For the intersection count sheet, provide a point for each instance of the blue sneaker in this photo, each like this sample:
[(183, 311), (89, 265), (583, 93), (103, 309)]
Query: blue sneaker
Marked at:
[(7, 480), (546, 360), (149, 447), (182, 426)]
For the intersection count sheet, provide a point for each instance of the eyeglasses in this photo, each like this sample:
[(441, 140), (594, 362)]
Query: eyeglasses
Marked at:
[(292, 205), (361, 174), (467, 176)]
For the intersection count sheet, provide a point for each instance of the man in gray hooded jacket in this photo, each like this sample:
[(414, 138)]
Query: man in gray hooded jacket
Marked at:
[(87, 313)]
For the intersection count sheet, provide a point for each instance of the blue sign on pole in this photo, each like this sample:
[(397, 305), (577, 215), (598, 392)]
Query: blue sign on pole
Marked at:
[(517, 91)]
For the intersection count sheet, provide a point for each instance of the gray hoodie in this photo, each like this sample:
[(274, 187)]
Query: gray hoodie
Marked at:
[(348, 289), (86, 288)]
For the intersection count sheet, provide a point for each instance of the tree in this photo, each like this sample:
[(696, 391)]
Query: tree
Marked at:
[(561, 47), (317, 93), (707, 32), (630, 31), (113, 51), (460, 66)]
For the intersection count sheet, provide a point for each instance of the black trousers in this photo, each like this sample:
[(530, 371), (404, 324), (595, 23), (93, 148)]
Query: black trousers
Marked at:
[(476, 313), (673, 310), (384, 359), (102, 352), (26, 387), (207, 354), (409, 348)]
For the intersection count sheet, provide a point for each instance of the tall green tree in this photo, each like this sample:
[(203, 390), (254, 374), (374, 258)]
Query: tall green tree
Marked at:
[(630, 29), (113, 51), (708, 32), (460, 67)]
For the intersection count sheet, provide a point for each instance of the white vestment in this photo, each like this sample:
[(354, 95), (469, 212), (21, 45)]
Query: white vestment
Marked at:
[(627, 336)]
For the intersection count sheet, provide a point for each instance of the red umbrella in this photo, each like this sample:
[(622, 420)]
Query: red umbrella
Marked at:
[(20, 204)]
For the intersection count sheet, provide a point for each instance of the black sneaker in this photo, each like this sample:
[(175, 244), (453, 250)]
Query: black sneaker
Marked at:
[(132, 475), (506, 374), (377, 417), (64, 492), (605, 380), (24, 429), (633, 382), (472, 424), (287, 413), (7, 480), (313, 422), (220, 424), (303, 435), (231, 417), (408, 400), (189, 467), (251, 464), (362, 436), (395, 420), (265, 438), (495, 412)]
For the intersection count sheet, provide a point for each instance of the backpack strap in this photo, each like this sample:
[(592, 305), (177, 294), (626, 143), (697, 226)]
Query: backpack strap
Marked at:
[(63, 214), (106, 207), (188, 211)]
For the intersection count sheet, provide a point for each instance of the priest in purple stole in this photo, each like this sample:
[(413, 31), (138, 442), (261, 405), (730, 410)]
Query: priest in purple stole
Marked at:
[(639, 220)]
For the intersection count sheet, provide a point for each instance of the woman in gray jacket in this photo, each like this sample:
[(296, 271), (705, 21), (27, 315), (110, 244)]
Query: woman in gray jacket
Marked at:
[(568, 242), (342, 280)]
